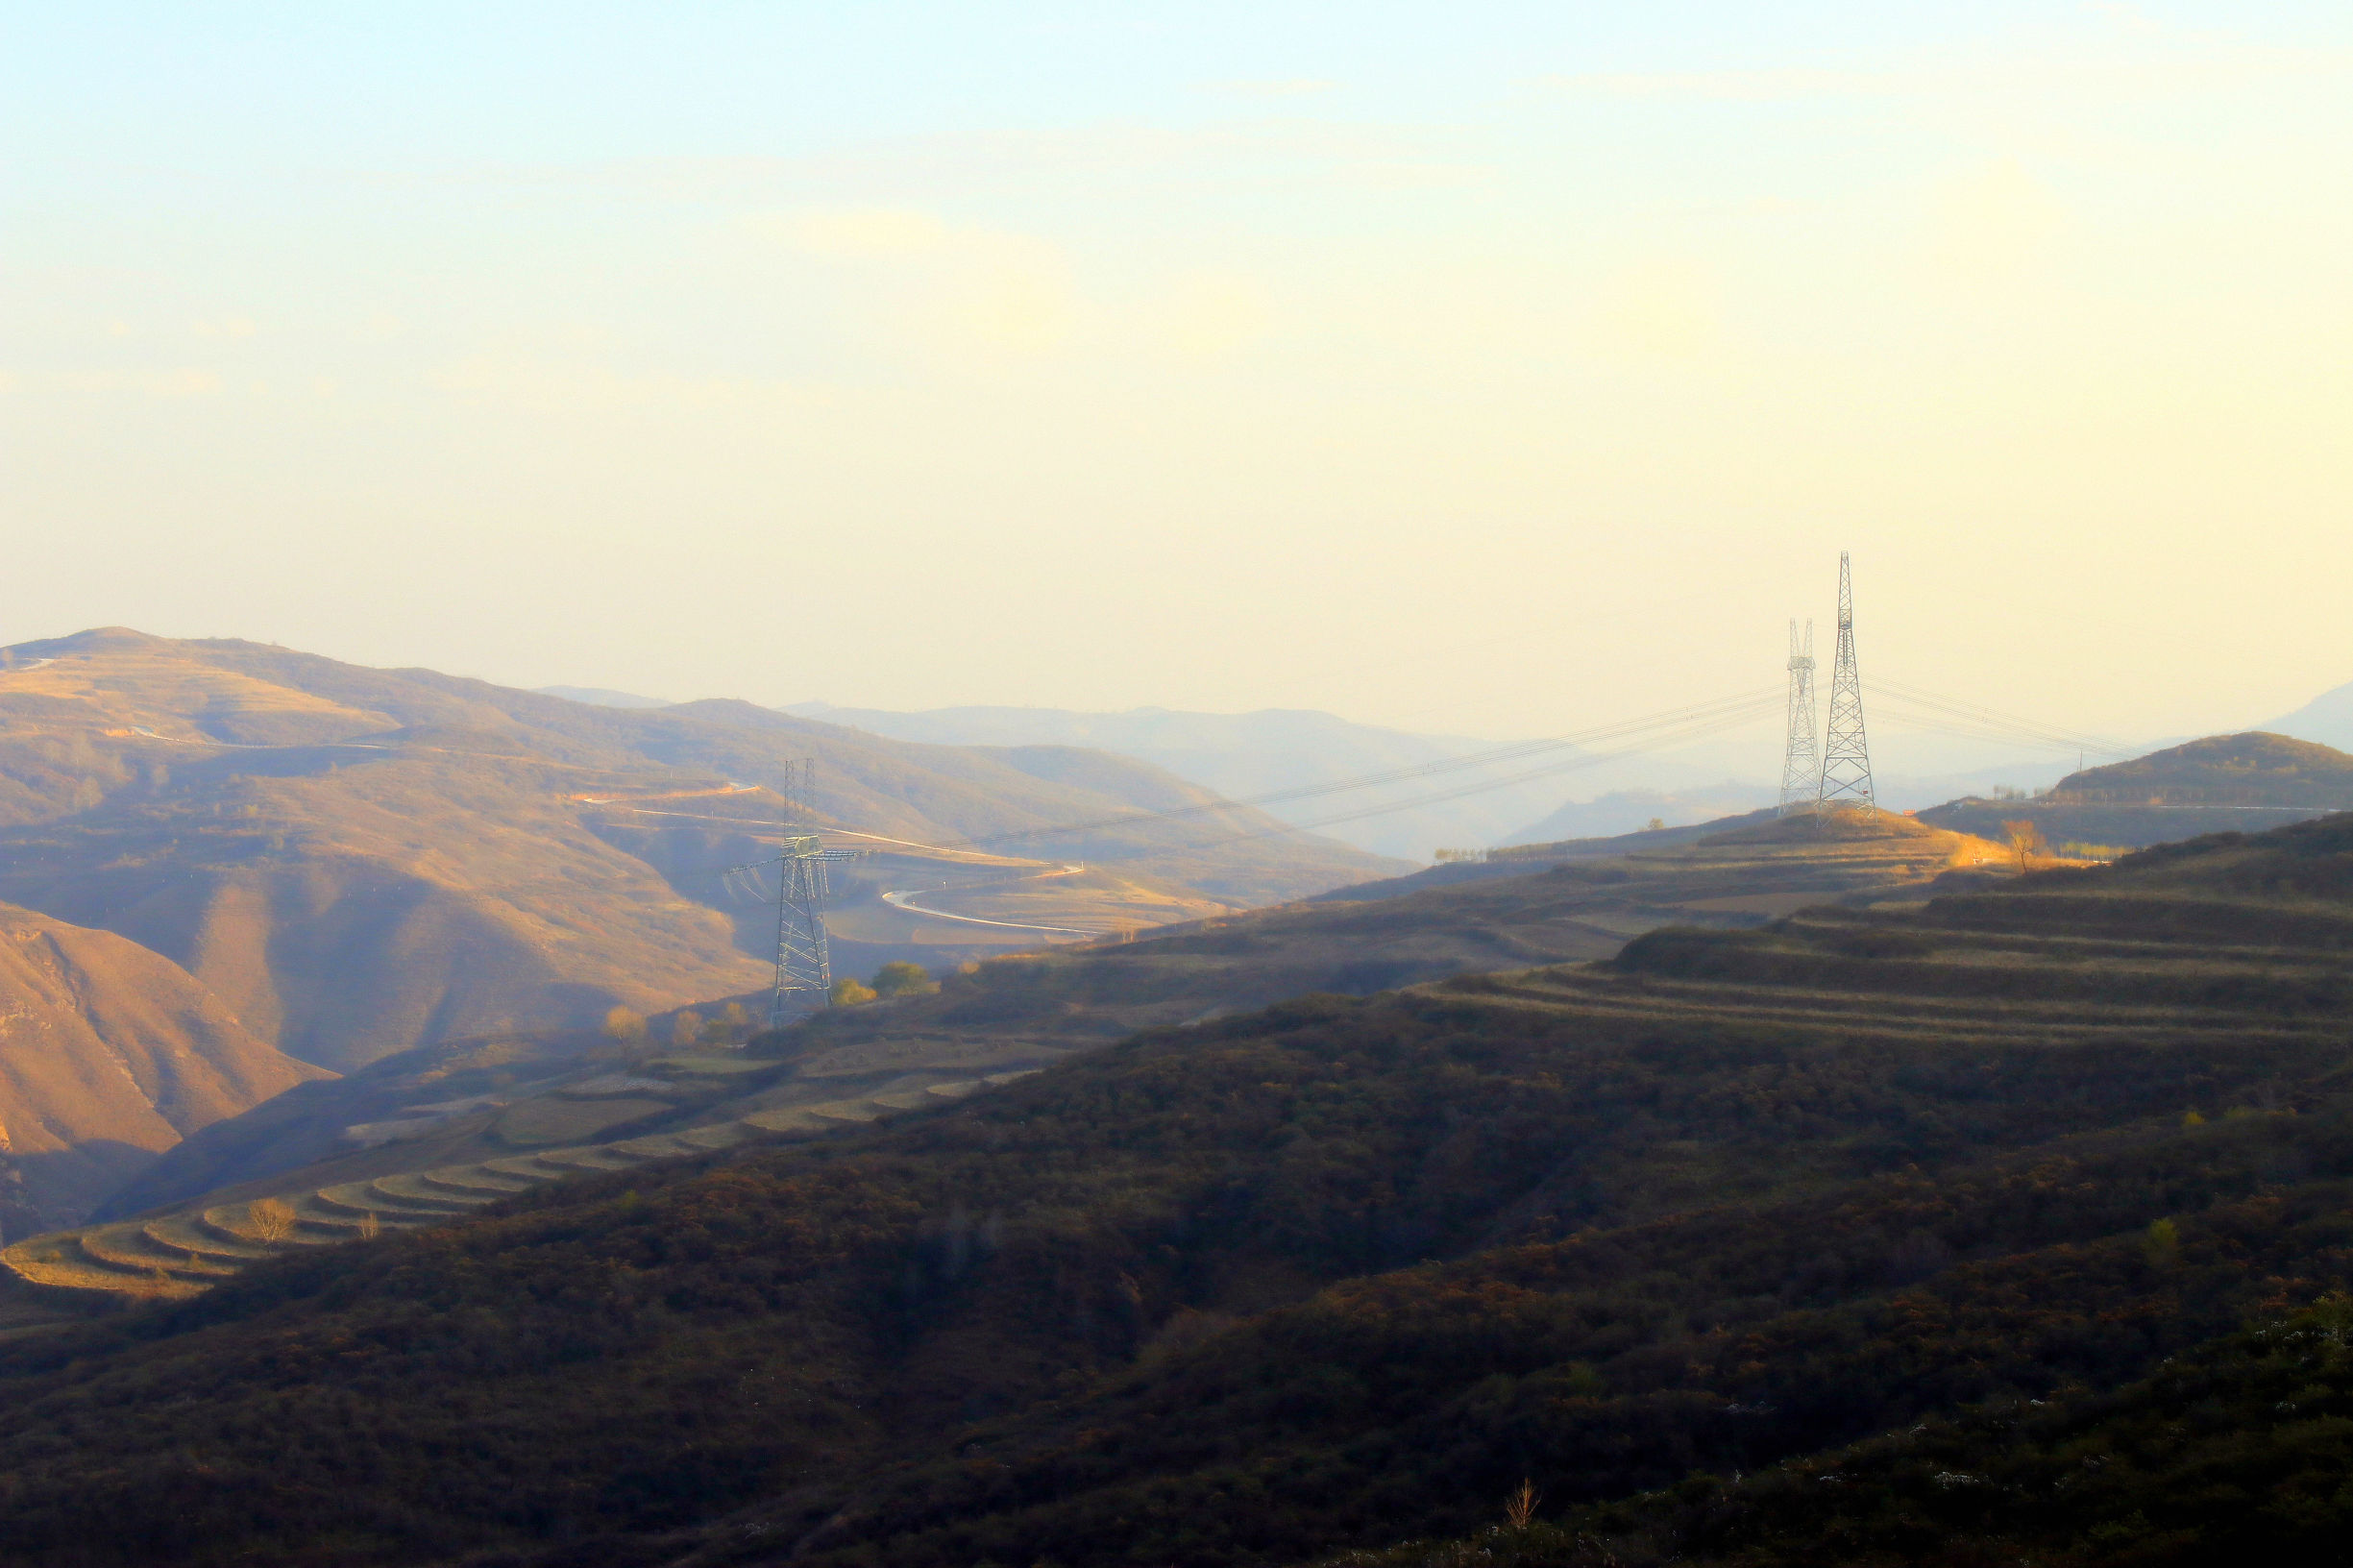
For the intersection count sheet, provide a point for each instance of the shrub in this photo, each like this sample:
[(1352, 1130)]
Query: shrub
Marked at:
[(903, 980)]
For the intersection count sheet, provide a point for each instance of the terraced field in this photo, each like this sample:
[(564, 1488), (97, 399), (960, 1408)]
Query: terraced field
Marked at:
[(185, 1252)]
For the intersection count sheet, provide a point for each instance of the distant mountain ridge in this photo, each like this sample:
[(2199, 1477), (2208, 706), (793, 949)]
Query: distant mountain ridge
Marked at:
[(1244, 755), (1627, 811), (2327, 718)]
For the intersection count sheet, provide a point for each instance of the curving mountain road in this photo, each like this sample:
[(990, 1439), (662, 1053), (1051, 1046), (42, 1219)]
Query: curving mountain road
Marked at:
[(900, 900)]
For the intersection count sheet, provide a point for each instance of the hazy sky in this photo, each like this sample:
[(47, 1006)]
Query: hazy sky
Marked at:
[(1492, 369)]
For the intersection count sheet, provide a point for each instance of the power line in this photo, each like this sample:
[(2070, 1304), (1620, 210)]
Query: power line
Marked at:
[(1991, 724), (1651, 733), (1738, 708), (1755, 707)]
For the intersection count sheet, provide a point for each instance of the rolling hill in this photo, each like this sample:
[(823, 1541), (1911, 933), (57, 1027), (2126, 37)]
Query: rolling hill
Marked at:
[(2222, 783), (358, 861), (108, 1055), (1263, 1288)]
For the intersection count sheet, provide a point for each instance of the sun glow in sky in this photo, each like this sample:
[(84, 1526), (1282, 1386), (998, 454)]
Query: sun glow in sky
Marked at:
[(1482, 369)]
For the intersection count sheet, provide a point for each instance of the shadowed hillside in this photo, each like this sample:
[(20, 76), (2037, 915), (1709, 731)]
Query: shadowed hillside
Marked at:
[(1262, 1287), (108, 1055)]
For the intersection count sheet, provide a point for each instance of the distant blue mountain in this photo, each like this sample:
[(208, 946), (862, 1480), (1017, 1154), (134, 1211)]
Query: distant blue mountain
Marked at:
[(1243, 755), (2327, 718)]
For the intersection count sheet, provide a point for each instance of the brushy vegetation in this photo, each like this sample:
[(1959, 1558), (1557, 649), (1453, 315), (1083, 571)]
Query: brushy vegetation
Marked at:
[(1347, 1272), (2239, 1453)]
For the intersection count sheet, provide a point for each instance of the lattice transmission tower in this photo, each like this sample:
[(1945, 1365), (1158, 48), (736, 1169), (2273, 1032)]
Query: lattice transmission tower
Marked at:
[(801, 784), (804, 967), (1846, 755), (1802, 762)]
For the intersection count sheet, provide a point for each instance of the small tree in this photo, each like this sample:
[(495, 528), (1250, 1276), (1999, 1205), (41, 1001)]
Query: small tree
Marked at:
[(623, 1027), (2026, 841), (848, 993), (903, 980), (272, 1219), (686, 1028), (370, 1227), (1520, 1508), (729, 1028)]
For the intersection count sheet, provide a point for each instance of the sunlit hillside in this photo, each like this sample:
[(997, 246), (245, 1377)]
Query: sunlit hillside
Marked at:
[(357, 861), (2220, 784), (110, 1054)]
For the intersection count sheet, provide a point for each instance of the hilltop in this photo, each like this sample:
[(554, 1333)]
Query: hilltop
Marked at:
[(1264, 1287), (2221, 770), (2222, 783)]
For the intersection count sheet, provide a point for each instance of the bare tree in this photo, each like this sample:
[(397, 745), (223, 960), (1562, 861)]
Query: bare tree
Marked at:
[(686, 1028), (2026, 841), (272, 1219), (623, 1027), (1521, 1506), (370, 1227)]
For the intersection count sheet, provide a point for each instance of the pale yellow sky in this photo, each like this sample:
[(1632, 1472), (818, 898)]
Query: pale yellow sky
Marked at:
[(1466, 376)]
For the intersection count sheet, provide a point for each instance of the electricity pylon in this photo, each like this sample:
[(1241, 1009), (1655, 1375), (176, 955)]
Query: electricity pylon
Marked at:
[(1845, 755), (1802, 763), (803, 966)]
